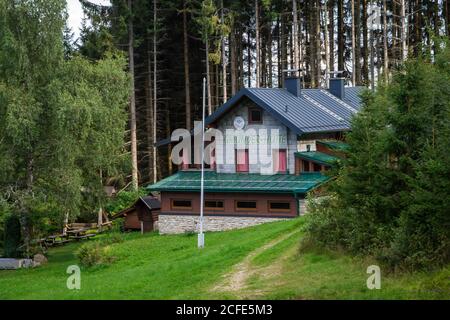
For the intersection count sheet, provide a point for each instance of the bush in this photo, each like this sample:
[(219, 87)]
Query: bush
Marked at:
[(94, 253), (12, 239), (98, 252)]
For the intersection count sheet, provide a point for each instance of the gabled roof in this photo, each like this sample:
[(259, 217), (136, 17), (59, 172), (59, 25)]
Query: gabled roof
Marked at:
[(189, 181), (315, 110)]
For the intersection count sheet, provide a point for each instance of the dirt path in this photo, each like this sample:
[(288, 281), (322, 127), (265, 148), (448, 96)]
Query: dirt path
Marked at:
[(235, 282)]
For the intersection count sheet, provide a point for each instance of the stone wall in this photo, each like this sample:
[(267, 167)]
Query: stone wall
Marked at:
[(169, 224)]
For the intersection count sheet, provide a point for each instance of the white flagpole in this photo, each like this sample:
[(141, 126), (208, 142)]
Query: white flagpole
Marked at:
[(201, 236)]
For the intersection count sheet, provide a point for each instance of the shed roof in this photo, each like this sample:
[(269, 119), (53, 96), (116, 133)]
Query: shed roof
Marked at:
[(318, 157), (149, 201), (189, 181)]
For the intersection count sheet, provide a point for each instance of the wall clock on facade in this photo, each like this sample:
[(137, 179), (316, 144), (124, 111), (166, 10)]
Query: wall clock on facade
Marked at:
[(239, 123)]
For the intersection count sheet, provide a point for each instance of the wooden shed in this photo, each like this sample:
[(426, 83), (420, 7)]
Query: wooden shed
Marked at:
[(142, 215)]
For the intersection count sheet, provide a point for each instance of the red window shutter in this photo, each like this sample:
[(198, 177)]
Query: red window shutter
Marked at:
[(213, 159), (242, 161), (185, 163), (280, 161)]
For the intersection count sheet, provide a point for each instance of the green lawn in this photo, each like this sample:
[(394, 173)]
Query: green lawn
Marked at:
[(171, 267)]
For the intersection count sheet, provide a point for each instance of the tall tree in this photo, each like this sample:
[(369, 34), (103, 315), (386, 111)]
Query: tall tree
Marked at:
[(133, 134)]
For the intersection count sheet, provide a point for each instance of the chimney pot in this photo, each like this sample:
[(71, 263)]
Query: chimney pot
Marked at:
[(336, 87), (293, 85)]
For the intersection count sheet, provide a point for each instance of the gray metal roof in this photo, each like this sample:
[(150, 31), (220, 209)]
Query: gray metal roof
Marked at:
[(315, 110)]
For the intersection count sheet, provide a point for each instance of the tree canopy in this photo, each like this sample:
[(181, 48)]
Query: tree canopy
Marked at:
[(391, 197), (63, 120)]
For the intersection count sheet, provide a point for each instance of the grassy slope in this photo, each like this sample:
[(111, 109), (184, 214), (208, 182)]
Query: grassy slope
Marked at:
[(171, 267)]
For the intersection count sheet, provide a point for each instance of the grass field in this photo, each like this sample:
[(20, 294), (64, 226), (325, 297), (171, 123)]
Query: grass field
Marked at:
[(259, 262)]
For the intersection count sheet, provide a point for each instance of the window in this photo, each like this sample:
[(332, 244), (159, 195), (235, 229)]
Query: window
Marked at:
[(254, 115), (242, 160), (181, 204), (317, 167), (305, 165), (245, 205), (279, 206), (214, 204), (280, 161)]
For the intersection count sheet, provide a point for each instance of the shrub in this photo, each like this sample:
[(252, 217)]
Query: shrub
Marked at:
[(94, 253), (98, 252)]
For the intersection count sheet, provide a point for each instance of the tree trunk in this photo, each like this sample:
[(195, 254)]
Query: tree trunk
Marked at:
[(249, 61), (187, 89), (331, 33), (155, 92), (134, 163), (224, 62), (327, 45), (233, 58), (208, 76), (258, 66), (353, 44), (404, 30), (385, 43), (150, 123), (295, 35), (341, 44), (365, 71), (357, 10), (318, 44)]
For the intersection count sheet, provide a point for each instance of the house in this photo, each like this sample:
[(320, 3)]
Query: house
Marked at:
[(142, 215), (240, 188)]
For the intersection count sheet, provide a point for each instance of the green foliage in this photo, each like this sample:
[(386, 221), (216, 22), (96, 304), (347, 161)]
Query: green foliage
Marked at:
[(124, 199), (63, 120), (391, 197), (92, 254), (12, 238), (98, 252)]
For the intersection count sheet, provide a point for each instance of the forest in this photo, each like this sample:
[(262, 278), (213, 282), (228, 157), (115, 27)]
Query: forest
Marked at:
[(236, 44), (82, 113)]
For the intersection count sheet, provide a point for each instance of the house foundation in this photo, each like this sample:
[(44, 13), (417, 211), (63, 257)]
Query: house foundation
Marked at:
[(173, 224)]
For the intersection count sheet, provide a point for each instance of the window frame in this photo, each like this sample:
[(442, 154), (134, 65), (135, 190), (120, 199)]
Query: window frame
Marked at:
[(269, 202), (236, 208), (173, 207), (214, 208), (250, 118)]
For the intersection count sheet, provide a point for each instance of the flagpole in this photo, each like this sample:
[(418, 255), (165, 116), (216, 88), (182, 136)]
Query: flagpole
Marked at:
[(201, 236)]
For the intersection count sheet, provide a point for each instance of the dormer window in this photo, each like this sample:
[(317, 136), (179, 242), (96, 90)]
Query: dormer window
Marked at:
[(255, 116)]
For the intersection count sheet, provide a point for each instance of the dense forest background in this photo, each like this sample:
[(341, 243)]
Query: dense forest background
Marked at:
[(173, 44)]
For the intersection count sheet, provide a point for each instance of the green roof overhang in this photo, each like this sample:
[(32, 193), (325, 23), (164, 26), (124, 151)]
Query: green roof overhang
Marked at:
[(334, 145), (189, 181), (318, 157)]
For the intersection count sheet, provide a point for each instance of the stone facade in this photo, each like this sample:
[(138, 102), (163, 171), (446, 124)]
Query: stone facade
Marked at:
[(170, 224)]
